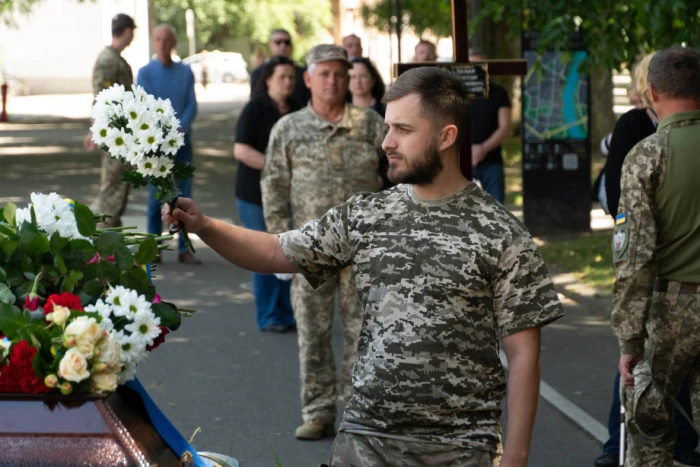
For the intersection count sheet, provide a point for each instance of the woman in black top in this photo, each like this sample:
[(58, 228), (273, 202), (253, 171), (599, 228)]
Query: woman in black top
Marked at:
[(366, 85), (271, 100)]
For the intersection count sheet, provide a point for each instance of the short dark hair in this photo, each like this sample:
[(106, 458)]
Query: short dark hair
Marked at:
[(378, 88), (279, 31), (675, 73), (121, 23), (442, 94), (268, 69)]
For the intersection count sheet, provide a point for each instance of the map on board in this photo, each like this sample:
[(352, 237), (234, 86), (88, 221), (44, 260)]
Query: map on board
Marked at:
[(555, 100)]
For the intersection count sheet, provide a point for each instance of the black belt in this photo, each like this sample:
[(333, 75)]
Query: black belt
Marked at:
[(661, 285)]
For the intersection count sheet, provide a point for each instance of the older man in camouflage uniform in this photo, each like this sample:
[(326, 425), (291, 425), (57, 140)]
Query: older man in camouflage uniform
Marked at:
[(317, 158), (656, 247), (111, 68), (442, 270)]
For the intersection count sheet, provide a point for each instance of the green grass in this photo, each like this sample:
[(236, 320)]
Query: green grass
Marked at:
[(587, 257)]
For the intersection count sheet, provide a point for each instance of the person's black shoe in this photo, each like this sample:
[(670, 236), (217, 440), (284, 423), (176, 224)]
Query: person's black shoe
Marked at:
[(157, 259), (291, 327), (688, 458), (276, 328), (607, 459)]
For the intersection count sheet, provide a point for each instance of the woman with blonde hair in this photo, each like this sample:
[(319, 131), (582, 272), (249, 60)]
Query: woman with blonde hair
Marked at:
[(631, 128)]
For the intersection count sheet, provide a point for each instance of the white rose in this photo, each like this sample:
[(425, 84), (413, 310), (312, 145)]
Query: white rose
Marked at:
[(87, 332), (104, 382), (73, 367), (59, 315), (110, 353)]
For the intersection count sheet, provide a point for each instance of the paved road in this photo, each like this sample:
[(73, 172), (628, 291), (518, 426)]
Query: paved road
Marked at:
[(240, 387)]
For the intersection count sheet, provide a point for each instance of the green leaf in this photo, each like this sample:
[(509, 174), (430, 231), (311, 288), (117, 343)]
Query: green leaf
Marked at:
[(3, 275), (31, 241), (91, 291), (9, 247), (123, 257), (6, 295), (80, 249), (148, 250), (85, 219), (15, 277), (9, 211), (107, 242), (167, 313), (75, 276), (57, 242), (5, 230), (104, 271), (12, 320), (60, 264)]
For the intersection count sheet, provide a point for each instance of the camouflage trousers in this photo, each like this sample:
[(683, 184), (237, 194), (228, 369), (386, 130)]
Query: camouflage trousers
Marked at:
[(671, 354), (113, 194), (355, 450), (313, 311)]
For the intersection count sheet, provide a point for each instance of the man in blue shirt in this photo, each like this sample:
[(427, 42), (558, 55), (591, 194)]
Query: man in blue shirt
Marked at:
[(166, 79)]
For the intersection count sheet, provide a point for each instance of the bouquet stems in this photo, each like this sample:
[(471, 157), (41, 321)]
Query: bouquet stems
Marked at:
[(173, 229)]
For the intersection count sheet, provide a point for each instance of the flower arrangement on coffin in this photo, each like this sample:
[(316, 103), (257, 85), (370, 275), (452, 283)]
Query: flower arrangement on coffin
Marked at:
[(78, 312), (144, 133)]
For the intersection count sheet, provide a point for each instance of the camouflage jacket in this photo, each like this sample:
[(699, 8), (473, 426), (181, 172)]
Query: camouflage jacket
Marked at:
[(655, 225), (440, 281), (111, 68), (312, 165)]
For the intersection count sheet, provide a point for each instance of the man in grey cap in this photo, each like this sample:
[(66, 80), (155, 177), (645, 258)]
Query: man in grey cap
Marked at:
[(111, 68), (317, 158)]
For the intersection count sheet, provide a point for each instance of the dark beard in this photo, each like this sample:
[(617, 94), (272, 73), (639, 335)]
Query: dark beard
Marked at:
[(420, 172)]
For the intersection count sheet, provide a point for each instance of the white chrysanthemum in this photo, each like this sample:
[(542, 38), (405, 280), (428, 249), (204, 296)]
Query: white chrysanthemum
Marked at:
[(145, 122), (133, 347), (99, 130), (118, 142), (53, 214), (102, 308), (114, 93), (106, 324), (148, 166), (164, 166), (173, 124), (172, 142), (139, 93), (100, 111), (135, 155), (115, 297), (163, 108), (150, 139), (145, 327), (133, 111), (128, 373)]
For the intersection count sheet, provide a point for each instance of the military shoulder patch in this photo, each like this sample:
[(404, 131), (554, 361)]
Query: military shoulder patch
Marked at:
[(621, 218), (621, 239)]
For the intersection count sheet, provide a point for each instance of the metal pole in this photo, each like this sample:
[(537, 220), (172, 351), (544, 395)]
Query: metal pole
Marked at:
[(399, 24), (3, 115), (189, 20)]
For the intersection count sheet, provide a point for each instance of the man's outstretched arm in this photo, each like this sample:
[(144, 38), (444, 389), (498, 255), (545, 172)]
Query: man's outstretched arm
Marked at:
[(255, 251), (523, 354)]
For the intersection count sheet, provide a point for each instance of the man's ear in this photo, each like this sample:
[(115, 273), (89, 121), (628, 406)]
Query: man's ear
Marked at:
[(653, 93), (448, 136), (307, 79)]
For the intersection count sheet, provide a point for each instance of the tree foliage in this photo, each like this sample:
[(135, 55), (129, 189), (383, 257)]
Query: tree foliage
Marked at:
[(422, 15), (615, 32), (218, 20)]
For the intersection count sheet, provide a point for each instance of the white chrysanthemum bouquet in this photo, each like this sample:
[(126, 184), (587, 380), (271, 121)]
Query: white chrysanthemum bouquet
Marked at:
[(144, 133)]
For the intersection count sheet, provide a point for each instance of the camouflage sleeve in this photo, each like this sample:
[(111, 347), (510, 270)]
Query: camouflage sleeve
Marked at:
[(634, 244), (322, 247), (524, 296), (104, 74), (275, 183)]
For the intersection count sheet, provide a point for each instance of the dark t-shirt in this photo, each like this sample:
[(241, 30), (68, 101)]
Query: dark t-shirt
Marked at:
[(253, 128), (631, 128), (485, 120), (301, 93)]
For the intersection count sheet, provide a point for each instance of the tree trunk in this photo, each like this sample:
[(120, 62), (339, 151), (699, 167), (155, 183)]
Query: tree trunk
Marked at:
[(335, 10), (601, 111)]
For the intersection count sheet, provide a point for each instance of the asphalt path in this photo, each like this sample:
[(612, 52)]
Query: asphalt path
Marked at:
[(236, 390)]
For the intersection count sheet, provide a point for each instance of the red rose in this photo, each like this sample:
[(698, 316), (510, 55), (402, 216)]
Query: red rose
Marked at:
[(30, 304), (160, 339), (68, 300), (18, 376)]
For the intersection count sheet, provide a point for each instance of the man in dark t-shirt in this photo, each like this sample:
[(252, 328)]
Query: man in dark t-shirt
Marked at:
[(281, 45), (491, 125)]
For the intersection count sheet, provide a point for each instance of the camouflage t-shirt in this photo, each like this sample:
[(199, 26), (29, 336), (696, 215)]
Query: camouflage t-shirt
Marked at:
[(439, 281)]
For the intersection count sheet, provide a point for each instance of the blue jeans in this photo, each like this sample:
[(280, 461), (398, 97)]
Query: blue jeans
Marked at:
[(272, 301), (686, 437), (492, 180), (155, 225)]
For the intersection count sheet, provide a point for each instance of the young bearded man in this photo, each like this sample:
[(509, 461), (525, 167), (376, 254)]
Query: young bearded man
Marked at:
[(443, 271)]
